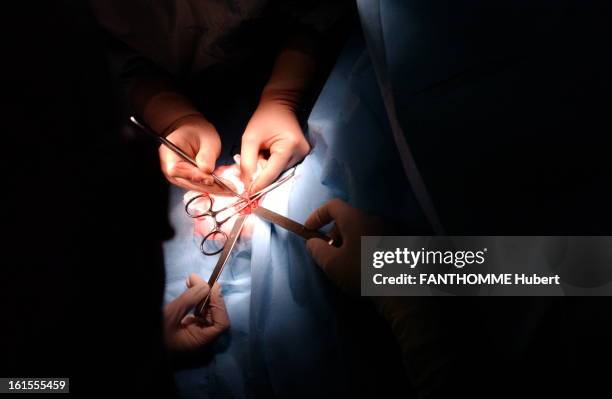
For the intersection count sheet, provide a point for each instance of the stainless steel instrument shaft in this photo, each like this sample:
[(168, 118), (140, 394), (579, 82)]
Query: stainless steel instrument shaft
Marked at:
[(291, 225), (178, 151), (221, 262)]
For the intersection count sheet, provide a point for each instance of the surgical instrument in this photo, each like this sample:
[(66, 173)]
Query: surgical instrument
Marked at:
[(178, 151), (199, 310)]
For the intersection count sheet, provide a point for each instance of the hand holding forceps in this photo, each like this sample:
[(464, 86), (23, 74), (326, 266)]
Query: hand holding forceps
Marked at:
[(217, 241), (225, 243)]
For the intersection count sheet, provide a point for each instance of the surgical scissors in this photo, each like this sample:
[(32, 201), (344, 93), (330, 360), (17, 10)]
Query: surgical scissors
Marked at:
[(242, 203)]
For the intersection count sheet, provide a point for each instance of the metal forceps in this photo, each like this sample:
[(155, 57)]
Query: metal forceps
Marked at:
[(202, 206), (226, 243), (229, 242), (177, 150)]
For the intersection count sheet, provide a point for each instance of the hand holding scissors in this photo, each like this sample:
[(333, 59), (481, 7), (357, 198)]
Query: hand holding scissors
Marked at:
[(217, 241), (201, 206)]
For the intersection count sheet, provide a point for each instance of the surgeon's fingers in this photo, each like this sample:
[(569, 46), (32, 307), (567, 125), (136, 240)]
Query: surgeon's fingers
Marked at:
[(174, 167), (200, 333), (277, 162), (217, 319), (194, 279), (249, 154), (336, 235), (207, 155), (187, 184), (217, 309), (322, 253), (199, 141), (326, 213), (187, 300)]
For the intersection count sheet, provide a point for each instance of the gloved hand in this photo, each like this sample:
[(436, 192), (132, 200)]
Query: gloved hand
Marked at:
[(341, 264), (183, 331), (198, 138), (274, 128)]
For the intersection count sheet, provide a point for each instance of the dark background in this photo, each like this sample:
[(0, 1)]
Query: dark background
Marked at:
[(86, 204)]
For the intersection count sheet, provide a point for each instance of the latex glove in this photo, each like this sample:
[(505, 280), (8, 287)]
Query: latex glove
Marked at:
[(341, 264), (198, 138), (183, 331), (274, 128)]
